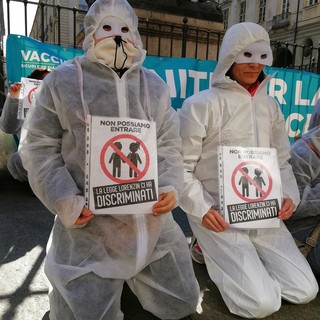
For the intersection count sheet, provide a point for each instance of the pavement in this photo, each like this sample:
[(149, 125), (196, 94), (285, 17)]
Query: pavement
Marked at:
[(24, 230)]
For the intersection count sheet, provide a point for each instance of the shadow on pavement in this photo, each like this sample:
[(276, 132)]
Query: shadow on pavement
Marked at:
[(24, 230)]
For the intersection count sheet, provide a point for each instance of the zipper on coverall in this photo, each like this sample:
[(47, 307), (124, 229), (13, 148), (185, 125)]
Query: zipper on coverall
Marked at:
[(139, 219)]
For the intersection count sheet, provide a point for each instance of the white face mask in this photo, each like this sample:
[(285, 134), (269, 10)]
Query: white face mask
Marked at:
[(114, 44), (112, 26), (116, 56), (258, 52)]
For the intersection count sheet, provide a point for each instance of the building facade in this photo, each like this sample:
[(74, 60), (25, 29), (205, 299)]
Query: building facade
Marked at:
[(59, 21), (167, 27), (293, 26)]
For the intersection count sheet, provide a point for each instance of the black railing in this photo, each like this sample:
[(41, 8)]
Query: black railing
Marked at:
[(179, 40), (60, 25), (159, 38), (295, 56)]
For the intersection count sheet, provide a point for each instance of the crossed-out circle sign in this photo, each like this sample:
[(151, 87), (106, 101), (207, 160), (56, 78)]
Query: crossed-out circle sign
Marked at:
[(111, 144), (31, 94), (238, 169)]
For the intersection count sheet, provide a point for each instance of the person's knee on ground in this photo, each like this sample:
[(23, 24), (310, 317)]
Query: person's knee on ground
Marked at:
[(16, 168), (261, 306), (167, 287), (87, 297), (166, 306), (303, 294)]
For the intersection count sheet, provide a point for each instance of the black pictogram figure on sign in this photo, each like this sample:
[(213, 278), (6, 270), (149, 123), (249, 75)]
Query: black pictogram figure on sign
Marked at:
[(245, 182), (258, 181), (134, 157), (116, 160)]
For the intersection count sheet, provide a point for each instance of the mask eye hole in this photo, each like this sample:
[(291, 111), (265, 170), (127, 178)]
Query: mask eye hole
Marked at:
[(107, 27), (264, 56), (125, 29), (247, 54)]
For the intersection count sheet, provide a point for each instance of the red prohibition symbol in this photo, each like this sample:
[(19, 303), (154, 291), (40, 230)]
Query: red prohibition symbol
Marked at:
[(111, 144), (31, 94), (238, 169)]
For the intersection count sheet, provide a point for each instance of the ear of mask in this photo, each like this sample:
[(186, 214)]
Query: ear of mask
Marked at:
[(114, 45)]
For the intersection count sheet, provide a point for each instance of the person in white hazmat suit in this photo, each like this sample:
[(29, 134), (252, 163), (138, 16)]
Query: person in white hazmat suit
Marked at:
[(315, 116), (305, 162), (90, 257), (253, 269), (10, 123)]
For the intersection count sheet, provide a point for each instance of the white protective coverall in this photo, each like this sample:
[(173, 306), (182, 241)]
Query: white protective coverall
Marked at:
[(253, 269), (315, 117), (305, 161), (10, 124), (87, 266)]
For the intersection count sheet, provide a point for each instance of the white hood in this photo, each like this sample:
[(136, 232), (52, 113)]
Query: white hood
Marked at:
[(103, 8), (236, 39)]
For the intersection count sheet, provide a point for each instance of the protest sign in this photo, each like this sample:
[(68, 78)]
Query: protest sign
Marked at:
[(27, 92), (121, 165), (250, 187)]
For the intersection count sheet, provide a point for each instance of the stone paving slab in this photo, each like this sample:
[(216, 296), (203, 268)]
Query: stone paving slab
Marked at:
[(24, 229)]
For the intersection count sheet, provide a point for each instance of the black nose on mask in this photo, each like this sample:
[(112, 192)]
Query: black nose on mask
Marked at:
[(118, 40)]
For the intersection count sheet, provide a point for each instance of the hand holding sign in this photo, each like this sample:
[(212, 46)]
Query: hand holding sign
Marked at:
[(286, 211), (85, 217), (14, 90), (165, 203), (214, 221)]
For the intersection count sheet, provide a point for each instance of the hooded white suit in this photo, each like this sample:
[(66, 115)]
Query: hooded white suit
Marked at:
[(9, 123), (88, 266), (253, 269), (305, 161)]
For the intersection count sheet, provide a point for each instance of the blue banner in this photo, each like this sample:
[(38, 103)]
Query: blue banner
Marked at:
[(296, 91), (25, 54)]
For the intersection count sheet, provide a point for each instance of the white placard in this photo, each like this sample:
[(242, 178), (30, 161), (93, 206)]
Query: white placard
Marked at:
[(250, 187), (121, 165), (28, 89)]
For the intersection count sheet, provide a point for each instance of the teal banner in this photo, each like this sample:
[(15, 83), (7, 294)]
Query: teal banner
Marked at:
[(296, 91), (25, 54)]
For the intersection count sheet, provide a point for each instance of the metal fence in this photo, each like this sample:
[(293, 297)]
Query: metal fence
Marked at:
[(63, 26), (295, 56), (159, 38), (179, 40)]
